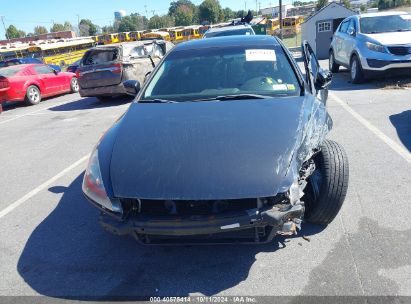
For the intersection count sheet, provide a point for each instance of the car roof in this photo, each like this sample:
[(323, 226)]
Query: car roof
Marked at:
[(228, 28), (228, 41), (391, 13)]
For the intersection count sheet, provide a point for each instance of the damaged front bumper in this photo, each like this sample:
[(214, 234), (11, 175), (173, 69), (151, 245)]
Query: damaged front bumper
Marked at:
[(249, 226)]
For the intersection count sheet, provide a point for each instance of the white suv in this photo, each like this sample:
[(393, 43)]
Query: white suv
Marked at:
[(372, 43)]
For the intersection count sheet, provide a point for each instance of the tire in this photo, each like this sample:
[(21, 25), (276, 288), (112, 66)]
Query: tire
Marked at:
[(327, 186), (33, 95), (333, 67), (356, 72), (74, 87)]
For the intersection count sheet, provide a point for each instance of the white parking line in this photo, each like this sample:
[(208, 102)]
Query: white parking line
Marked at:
[(39, 110), (392, 144), (43, 186)]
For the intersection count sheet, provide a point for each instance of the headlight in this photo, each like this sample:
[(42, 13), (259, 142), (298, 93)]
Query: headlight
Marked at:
[(375, 47), (93, 186)]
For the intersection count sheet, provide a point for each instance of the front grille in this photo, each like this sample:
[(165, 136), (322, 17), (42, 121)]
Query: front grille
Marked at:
[(400, 50), (188, 207)]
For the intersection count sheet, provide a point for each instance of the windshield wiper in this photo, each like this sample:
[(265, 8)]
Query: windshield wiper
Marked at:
[(157, 100), (235, 97)]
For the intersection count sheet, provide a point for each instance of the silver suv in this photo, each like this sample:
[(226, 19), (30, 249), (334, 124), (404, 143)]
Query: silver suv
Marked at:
[(372, 43), (231, 30)]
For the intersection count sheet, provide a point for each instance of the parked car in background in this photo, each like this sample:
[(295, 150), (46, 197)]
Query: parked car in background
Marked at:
[(104, 68), (31, 82), (230, 30), (72, 68), (26, 60), (372, 43), (225, 142)]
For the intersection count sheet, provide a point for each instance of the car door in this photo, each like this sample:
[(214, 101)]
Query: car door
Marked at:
[(312, 72), (101, 67), (51, 81), (348, 42), (339, 40)]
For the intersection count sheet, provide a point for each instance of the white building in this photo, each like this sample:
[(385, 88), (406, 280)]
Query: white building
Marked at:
[(318, 29), (274, 11)]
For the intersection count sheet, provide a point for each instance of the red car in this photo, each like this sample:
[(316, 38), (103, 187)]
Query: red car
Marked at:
[(31, 82)]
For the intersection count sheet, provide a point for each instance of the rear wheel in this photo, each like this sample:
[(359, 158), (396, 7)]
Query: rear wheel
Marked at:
[(356, 72), (333, 67), (33, 95), (327, 186), (74, 85)]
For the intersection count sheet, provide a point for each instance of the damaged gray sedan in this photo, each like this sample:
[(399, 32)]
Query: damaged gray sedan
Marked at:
[(224, 143)]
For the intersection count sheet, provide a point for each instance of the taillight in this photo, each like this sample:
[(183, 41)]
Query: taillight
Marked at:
[(116, 68), (4, 83), (78, 74)]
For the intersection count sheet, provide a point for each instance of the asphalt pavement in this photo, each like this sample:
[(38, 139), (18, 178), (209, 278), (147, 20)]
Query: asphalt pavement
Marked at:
[(52, 245)]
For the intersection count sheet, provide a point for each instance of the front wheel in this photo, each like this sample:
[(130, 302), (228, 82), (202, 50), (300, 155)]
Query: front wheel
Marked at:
[(74, 85), (356, 72), (33, 95), (333, 67), (327, 186)]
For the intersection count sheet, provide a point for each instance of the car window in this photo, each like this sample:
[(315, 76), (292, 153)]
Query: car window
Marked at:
[(385, 24), (212, 72), (43, 69), (344, 26), (99, 56), (245, 31), (351, 25), (10, 71)]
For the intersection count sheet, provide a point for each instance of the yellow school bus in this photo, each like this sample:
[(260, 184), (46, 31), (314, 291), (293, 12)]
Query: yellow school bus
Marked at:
[(135, 35), (61, 53), (273, 26), (111, 38), (292, 25), (157, 35), (124, 36), (14, 51), (176, 35)]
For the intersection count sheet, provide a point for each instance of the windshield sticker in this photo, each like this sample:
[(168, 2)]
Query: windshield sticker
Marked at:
[(406, 17), (260, 55), (279, 87), (291, 87)]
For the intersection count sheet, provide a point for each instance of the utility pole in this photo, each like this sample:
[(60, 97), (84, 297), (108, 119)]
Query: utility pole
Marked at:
[(256, 7), (245, 5), (281, 18), (4, 25)]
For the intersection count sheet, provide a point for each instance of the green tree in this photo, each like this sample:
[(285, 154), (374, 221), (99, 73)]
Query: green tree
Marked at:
[(13, 32), (321, 4), (209, 10), (346, 3), (175, 4), (57, 27), (38, 30), (227, 14), (127, 24), (160, 22), (184, 15), (67, 26), (87, 28)]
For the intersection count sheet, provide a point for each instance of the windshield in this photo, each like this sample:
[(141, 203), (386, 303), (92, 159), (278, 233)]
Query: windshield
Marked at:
[(10, 71), (384, 24), (212, 72), (245, 31)]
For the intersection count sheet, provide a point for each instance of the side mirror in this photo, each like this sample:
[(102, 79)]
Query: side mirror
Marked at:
[(351, 31), (55, 71), (323, 79), (132, 87)]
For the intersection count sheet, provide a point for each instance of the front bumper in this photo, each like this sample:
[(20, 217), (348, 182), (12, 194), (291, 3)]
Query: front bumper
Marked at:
[(374, 61), (250, 226), (114, 90)]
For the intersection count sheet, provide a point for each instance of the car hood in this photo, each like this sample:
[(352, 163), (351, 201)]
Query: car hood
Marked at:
[(208, 150), (392, 38)]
